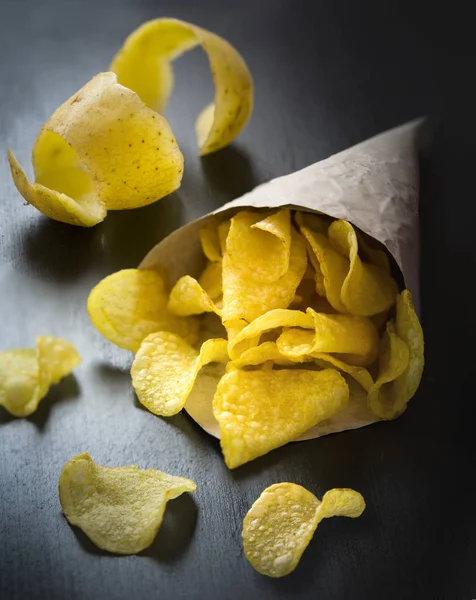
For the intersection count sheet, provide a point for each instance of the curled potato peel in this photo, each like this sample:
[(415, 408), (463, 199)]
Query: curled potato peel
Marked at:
[(144, 65), (103, 149), (282, 521), (120, 509)]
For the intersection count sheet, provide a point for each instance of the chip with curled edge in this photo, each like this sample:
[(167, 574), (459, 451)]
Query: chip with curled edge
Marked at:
[(282, 521), (258, 244), (165, 368), (144, 64), (102, 149), (246, 298), (367, 289), (187, 298), (120, 509), (355, 339), (210, 280), (273, 319), (26, 375), (400, 363), (128, 305), (258, 411)]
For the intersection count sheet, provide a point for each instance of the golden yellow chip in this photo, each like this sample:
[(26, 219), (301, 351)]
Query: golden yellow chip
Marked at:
[(189, 298), (259, 244), (367, 289), (360, 374), (210, 280), (165, 368), (331, 268), (279, 317), (120, 509), (144, 65), (127, 306), (400, 363), (266, 352), (280, 524), (354, 339), (318, 224), (223, 230), (245, 298), (210, 241), (26, 375), (102, 149), (371, 253), (258, 411)]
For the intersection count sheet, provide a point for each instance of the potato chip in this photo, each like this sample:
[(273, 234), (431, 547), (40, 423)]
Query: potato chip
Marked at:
[(120, 509), (102, 149), (354, 339), (280, 524), (318, 224), (189, 298), (264, 353), (210, 241), (127, 306), (165, 368), (313, 221), (260, 247), (26, 375), (223, 230), (244, 298), (360, 374), (210, 280), (400, 364), (367, 289), (279, 317), (259, 411), (372, 252), (331, 268), (144, 65)]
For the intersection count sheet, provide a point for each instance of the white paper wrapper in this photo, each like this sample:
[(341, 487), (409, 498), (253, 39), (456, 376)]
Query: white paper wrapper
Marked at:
[(374, 185)]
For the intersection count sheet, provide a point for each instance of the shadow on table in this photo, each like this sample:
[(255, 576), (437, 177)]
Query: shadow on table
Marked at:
[(172, 539), (230, 172), (65, 391), (61, 252)]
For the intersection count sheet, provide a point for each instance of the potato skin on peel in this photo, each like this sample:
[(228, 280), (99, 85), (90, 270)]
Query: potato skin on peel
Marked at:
[(120, 509), (103, 149), (282, 521), (259, 411), (144, 65)]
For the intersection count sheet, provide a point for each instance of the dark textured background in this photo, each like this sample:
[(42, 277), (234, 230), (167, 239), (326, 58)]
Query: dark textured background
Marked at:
[(328, 74)]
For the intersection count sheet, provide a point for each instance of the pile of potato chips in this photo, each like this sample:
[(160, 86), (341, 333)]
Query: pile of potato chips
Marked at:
[(308, 320)]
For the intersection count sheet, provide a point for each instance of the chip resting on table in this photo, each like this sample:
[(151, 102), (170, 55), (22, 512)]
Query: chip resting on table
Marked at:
[(119, 508)]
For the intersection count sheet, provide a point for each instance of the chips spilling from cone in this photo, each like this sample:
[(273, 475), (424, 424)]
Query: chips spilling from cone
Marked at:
[(354, 347), (280, 524), (120, 509), (27, 375)]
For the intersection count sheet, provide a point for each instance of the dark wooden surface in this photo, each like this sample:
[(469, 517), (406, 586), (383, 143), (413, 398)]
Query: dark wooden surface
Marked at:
[(328, 74)]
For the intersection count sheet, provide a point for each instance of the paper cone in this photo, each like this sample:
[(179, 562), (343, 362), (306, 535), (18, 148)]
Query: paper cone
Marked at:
[(374, 185)]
